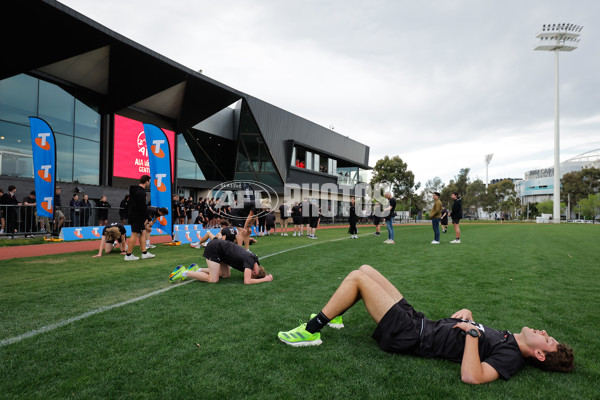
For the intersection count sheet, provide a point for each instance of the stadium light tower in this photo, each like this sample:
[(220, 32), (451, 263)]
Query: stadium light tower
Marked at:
[(557, 37), (487, 159)]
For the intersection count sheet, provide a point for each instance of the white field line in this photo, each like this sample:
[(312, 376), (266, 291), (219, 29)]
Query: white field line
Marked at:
[(60, 324)]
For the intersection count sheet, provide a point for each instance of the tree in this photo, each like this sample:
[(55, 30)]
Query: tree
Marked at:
[(475, 196), (432, 186), (462, 181), (590, 207), (580, 184), (396, 172), (545, 207)]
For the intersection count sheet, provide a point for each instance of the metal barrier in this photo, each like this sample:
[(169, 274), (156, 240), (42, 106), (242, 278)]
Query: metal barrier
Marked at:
[(22, 220)]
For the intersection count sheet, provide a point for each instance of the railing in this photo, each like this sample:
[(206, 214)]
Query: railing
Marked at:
[(22, 220)]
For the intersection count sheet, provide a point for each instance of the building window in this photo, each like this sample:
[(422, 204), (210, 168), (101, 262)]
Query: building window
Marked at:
[(76, 126)]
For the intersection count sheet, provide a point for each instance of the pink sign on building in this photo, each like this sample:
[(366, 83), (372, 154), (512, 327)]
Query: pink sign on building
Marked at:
[(130, 152)]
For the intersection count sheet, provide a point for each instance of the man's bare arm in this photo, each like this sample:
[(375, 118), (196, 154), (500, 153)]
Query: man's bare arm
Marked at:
[(472, 370)]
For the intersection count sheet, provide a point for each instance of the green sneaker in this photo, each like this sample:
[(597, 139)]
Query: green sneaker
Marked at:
[(193, 267), (177, 274), (335, 323), (300, 337)]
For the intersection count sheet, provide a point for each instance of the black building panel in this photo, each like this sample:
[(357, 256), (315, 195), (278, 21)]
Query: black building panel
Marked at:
[(278, 127)]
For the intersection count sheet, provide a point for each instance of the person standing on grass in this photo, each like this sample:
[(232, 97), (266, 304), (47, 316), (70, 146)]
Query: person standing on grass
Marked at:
[(221, 256), (284, 216), (377, 219), (297, 219), (390, 213), (456, 216), (444, 220), (138, 215), (435, 215), (485, 354), (352, 219)]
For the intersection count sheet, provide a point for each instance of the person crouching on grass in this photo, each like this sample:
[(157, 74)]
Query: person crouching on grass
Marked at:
[(221, 256), (485, 354), (112, 233)]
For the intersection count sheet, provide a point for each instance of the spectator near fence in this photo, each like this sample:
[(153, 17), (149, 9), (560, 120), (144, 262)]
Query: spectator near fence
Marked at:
[(75, 211), (124, 209), (86, 210), (103, 207), (59, 217), (28, 214), (10, 202)]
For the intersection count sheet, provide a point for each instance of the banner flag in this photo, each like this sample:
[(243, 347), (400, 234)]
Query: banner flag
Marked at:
[(159, 157), (43, 146)]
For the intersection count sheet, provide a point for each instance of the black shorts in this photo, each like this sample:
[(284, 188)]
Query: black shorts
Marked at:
[(376, 221), (399, 331), (444, 221), (297, 220), (456, 221), (270, 226), (211, 254), (306, 220), (137, 226), (313, 222)]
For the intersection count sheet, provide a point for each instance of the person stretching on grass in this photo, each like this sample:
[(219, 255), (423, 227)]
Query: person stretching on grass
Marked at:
[(221, 256), (112, 233), (485, 354), (227, 232)]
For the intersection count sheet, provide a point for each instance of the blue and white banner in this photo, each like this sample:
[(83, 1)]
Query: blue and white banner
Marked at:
[(95, 232), (159, 157), (43, 147)]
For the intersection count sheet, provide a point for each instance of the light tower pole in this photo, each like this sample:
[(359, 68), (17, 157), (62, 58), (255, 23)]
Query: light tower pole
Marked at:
[(557, 37), (487, 159)]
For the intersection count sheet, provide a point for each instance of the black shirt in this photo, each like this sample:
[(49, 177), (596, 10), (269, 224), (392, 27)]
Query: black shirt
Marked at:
[(231, 254), (115, 224), (497, 348), (229, 233), (392, 213), (456, 209)]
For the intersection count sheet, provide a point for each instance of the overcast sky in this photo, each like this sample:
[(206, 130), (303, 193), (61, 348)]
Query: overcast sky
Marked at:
[(438, 83)]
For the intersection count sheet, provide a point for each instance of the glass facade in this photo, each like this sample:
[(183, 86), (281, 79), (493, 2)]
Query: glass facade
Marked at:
[(187, 167), (75, 123), (254, 161)]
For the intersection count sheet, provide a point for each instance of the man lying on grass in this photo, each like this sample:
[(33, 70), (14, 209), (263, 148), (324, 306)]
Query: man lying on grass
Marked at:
[(484, 353), (222, 255)]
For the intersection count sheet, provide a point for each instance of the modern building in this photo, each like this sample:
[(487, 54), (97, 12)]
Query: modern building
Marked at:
[(538, 185), (95, 88)]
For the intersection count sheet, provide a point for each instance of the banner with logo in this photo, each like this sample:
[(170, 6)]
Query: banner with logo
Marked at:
[(43, 146), (159, 157)]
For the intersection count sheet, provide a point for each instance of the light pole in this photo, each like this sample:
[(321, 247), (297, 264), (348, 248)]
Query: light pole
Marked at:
[(557, 37), (487, 159)]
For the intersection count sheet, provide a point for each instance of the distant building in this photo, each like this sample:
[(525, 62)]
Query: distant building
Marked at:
[(538, 185)]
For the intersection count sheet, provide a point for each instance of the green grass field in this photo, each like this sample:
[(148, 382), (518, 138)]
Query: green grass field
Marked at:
[(219, 341)]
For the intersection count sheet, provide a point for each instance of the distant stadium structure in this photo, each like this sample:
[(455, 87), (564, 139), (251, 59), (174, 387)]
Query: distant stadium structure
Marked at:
[(538, 185)]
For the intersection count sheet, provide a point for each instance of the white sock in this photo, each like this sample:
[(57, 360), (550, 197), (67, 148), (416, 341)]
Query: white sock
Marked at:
[(184, 273)]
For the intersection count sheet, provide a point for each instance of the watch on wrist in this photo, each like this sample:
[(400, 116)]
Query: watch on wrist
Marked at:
[(473, 332)]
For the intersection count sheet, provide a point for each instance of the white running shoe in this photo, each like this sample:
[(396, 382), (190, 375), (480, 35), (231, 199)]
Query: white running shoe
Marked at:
[(131, 257), (195, 245), (150, 246), (148, 255), (455, 241), (435, 242), (294, 234), (285, 234)]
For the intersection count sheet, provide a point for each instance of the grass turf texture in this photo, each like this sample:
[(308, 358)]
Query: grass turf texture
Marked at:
[(219, 341)]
